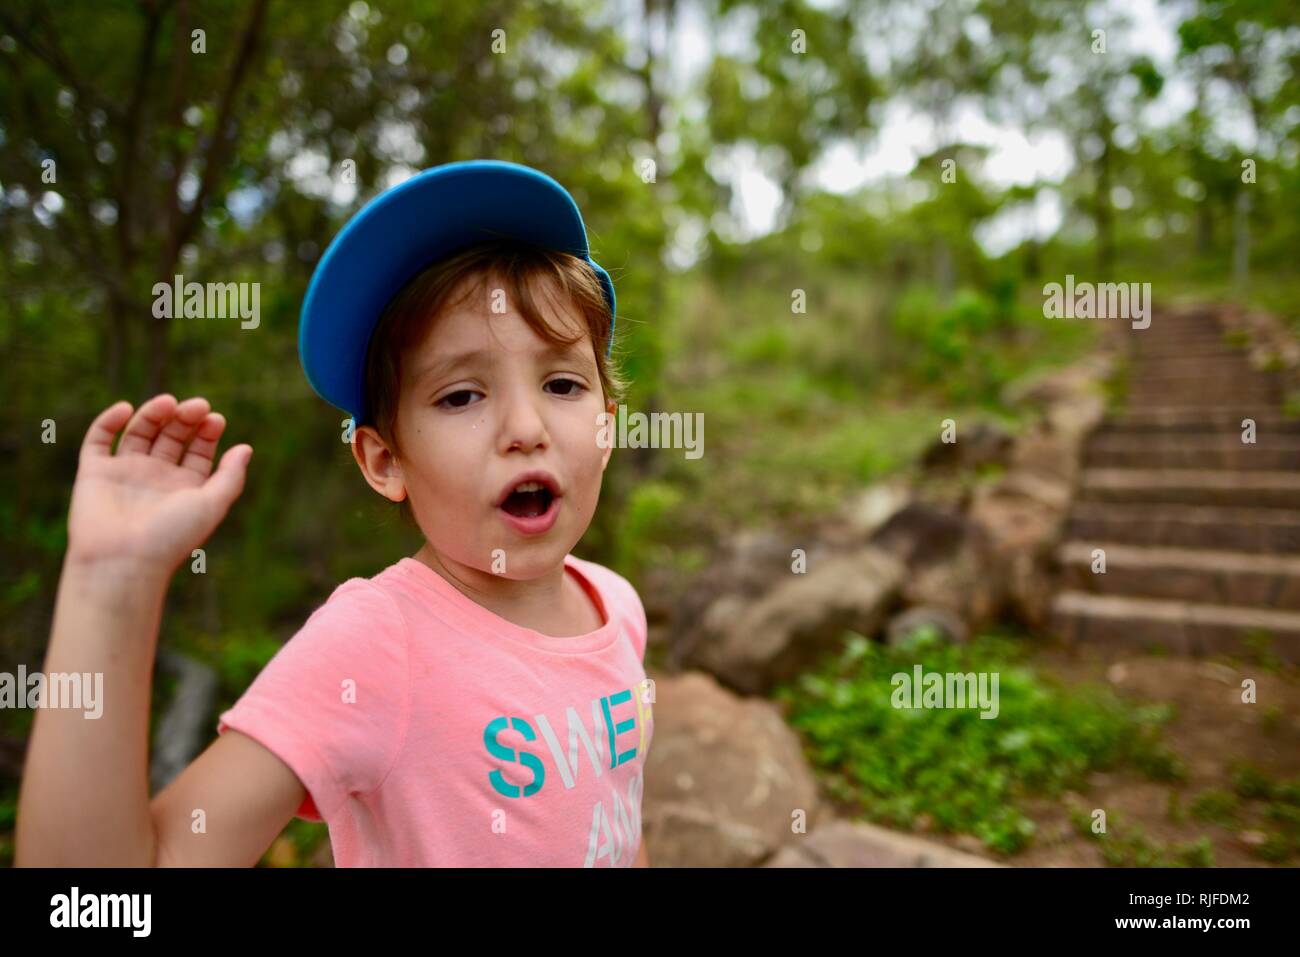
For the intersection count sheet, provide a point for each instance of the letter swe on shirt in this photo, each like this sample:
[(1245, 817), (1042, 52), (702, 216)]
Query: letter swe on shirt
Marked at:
[(428, 731)]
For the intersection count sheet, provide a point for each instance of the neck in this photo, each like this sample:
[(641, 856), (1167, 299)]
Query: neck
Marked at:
[(532, 603)]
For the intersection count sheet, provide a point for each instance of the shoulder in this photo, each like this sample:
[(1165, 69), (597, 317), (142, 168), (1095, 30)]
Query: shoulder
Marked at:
[(618, 592), (611, 584), (363, 599), (359, 626)]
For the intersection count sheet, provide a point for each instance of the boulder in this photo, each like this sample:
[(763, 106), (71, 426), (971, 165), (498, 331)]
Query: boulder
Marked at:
[(724, 777), (948, 559), (864, 513), (751, 644), (1024, 519), (744, 568), (977, 444), (841, 843)]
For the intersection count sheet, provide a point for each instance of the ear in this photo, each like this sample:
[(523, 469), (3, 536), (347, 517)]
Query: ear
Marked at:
[(612, 409), (378, 464)]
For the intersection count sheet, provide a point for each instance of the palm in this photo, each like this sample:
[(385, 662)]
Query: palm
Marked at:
[(155, 499)]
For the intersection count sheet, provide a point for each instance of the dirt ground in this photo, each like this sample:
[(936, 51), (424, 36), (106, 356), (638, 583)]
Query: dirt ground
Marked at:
[(1211, 729)]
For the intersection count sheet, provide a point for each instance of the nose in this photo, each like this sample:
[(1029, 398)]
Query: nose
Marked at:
[(523, 426)]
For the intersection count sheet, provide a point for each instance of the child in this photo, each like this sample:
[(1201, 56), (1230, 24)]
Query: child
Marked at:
[(482, 703)]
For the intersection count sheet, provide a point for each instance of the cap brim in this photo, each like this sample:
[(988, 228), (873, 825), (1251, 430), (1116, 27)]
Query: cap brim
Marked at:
[(425, 218)]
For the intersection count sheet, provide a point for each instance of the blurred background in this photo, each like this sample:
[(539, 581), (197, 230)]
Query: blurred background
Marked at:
[(830, 225)]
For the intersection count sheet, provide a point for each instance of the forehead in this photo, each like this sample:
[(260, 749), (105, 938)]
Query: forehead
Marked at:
[(483, 315)]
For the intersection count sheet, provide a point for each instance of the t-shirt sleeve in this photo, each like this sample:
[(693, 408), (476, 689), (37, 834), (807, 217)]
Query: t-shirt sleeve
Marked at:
[(333, 702)]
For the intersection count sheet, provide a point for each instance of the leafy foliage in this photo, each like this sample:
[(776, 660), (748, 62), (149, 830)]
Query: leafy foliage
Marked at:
[(963, 772)]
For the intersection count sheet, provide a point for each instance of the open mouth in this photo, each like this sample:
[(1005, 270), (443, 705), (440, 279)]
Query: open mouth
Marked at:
[(529, 500)]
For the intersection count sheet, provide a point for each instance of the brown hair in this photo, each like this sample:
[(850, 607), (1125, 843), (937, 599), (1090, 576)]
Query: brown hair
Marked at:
[(522, 267)]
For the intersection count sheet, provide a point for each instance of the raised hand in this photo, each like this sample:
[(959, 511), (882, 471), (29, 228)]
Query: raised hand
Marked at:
[(155, 500)]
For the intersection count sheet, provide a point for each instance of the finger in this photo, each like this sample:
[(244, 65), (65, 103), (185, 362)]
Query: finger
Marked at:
[(170, 443), (146, 423), (201, 451), (100, 435), (225, 484)]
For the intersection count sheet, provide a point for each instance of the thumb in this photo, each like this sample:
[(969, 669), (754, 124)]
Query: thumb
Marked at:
[(227, 482)]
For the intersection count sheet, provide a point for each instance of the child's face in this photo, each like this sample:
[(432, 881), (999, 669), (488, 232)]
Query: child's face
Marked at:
[(485, 399)]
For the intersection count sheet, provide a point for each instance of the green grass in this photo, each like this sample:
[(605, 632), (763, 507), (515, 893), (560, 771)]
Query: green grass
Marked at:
[(1279, 802), (967, 774), (1127, 845), (1215, 806)]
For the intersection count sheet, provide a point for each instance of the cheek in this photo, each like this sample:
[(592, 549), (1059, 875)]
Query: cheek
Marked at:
[(580, 441), (441, 462)]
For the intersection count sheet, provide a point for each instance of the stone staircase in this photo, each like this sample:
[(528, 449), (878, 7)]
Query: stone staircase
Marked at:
[(1200, 529)]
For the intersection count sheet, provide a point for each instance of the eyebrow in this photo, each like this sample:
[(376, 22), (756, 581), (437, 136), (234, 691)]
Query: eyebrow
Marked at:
[(450, 363)]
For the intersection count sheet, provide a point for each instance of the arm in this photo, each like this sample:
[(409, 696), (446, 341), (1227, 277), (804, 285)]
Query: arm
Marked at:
[(642, 858), (134, 517)]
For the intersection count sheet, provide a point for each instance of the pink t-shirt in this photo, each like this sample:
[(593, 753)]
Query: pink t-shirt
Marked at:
[(430, 732)]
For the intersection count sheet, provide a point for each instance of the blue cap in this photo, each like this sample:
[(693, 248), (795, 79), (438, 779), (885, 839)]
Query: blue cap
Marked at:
[(404, 229)]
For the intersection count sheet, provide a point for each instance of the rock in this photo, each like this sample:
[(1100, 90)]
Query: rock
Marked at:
[(723, 778), (750, 645), (744, 568), (1049, 457), (948, 559), (1051, 492), (922, 534), (977, 444), (842, 843), (966, 583), (1024, 530), (864, 514), (951, 628), (1014, 520), (1076, 416)]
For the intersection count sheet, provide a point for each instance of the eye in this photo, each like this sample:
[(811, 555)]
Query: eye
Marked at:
[(458, 399), (577, 387)]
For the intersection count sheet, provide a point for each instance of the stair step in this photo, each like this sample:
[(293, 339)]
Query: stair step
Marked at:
[(1206, 419), (1192, 345), (1211, 379), (1173, 360), (1187, 526), (1190, 451), (1186, 350), (1170, 373), (1185, 574), (1267, 489), (1180, 627), (1255, 402)]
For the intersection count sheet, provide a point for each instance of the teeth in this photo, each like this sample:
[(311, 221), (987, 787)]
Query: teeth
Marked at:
[(530, 487)]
